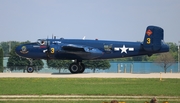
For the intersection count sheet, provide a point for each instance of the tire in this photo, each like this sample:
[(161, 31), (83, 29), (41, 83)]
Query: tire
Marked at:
[(74, 68), (82, 68), (30, 69)]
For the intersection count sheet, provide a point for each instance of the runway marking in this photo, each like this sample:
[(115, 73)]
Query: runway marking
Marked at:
[(82, 97), (88, 75)]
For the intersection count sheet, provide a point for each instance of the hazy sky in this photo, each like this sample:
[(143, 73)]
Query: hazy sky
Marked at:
[(125, 20)]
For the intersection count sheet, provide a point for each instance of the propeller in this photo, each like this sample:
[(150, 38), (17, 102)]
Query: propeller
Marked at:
[(48, 50)]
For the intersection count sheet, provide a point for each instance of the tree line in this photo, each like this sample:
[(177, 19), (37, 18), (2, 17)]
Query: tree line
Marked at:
[(1, 60), (7, 49)]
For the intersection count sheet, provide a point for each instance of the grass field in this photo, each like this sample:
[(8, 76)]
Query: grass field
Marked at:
[(89, 86)]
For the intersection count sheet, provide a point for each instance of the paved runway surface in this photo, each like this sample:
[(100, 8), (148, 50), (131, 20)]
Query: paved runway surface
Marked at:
[(89, 75)]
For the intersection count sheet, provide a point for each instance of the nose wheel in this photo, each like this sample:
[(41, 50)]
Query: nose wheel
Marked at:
[(30, 69), (77, 67)]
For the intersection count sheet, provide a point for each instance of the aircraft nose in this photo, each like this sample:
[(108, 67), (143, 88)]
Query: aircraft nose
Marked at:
[(18, 49), (21, 50)]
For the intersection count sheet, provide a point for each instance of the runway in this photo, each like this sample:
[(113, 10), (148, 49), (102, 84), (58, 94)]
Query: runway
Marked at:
[(89, 75)]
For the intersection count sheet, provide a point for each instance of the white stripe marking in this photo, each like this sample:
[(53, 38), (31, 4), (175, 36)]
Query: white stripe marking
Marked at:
[(131, 49), (116, 49)]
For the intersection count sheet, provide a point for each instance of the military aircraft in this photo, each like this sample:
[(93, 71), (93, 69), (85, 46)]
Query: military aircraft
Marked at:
[(82, 49)]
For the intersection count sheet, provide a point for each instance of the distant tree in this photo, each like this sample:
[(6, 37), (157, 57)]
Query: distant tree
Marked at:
[(173, 49), (137, 58), (97, 64), (165, 60), (152, 58), (122, 59), (59, 64), (7, 46), (1, 60)]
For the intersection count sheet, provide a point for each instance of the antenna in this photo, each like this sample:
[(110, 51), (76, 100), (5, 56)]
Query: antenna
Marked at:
[(84, 37), (9, 46)]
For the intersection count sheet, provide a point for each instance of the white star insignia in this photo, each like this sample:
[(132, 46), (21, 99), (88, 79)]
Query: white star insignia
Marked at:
[(124, 49)]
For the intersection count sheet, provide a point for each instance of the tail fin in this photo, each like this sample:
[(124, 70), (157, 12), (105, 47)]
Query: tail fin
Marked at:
[(153, 38)]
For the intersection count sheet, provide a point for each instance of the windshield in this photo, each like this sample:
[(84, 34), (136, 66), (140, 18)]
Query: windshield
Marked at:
[(42, 42)]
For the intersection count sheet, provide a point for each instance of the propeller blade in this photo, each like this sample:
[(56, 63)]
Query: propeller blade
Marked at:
[(48, 51)]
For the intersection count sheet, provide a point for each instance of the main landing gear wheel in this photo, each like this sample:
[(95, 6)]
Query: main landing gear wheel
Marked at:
[(76, 68), (30, 69), (82, 68)]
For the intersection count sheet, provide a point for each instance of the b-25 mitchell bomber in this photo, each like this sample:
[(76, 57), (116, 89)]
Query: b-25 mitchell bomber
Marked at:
[(82, 49)]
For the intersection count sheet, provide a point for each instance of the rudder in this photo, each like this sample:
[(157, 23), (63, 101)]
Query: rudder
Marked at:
[(153, 38)]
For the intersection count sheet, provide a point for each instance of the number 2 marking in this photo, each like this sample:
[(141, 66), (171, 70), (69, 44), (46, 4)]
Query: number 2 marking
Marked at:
[(148, 40), (52, 50)]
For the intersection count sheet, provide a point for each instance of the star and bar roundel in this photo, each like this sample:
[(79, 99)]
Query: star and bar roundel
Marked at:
[(123, 49)]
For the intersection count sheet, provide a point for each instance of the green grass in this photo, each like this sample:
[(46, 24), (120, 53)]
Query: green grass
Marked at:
[(89, 86)]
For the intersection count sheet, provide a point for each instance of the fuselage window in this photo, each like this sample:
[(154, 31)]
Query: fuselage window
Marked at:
[(108, 47)]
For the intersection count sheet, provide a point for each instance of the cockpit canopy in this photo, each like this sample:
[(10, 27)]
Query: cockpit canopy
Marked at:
[(42, 41)]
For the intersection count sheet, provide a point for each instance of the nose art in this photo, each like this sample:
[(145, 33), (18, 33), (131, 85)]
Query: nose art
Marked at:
[(20, 50)]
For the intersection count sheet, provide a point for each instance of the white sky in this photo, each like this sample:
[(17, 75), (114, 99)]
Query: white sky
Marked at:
[(120, 20)]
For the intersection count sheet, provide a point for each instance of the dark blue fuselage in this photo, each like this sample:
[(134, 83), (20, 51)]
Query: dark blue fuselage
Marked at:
[(84, 49)]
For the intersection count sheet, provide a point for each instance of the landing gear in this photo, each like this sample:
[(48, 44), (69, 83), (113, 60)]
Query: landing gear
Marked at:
[(77, 67), (30, 69), (82, 68), (74, 68)]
